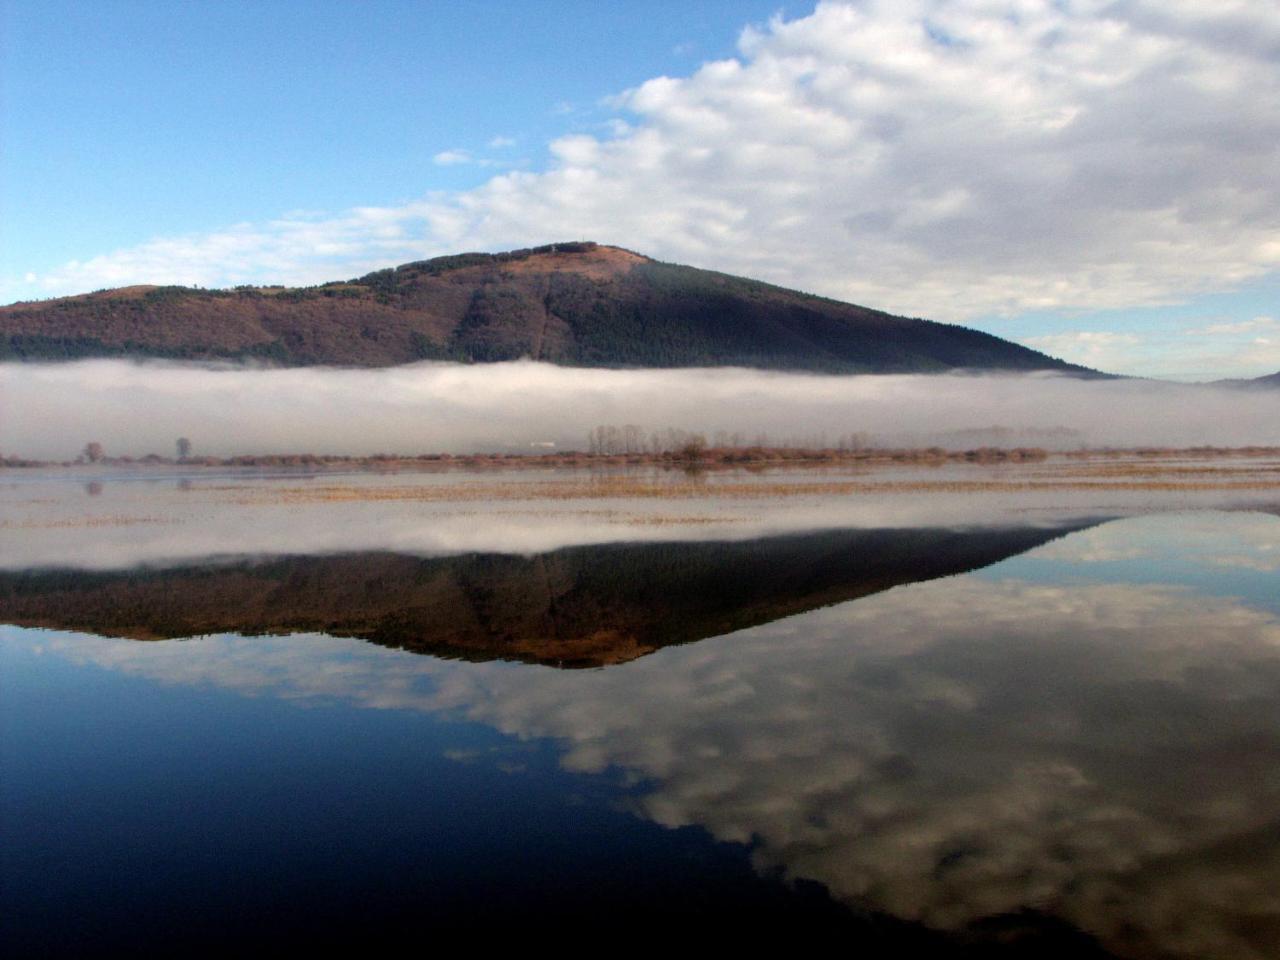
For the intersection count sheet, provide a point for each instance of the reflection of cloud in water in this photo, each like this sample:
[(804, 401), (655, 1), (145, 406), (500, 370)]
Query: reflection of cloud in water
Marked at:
[(1251, 542), (945, 751), (1267, 563), (1244, 540), (1100, 545), (953, 751), (1253, 546)]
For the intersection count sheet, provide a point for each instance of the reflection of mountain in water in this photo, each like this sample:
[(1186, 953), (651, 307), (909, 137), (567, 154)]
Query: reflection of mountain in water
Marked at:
[(580, 606), (1078, 757)]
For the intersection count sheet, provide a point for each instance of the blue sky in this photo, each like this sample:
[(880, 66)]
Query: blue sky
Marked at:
[(1097, 187), (124, 120)]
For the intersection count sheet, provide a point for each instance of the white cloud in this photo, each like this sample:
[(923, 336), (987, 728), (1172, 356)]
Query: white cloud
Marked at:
[(459, 157), (1235, 357), (500, 143), (1256, 325), (1099, 349), (938, 159), (451, 158), (297, 249), (1216, 351)]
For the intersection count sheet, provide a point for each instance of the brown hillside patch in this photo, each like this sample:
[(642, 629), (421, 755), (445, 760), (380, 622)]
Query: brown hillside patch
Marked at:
[(602, 263)]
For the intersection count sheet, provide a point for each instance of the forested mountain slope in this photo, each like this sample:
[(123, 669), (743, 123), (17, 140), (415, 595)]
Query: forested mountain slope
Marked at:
[(576, 304)]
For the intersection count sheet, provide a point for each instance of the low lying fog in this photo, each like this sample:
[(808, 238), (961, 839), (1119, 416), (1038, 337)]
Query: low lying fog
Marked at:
[(50, 411)]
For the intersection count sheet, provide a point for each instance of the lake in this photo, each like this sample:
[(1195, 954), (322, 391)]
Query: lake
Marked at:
[(1019, 710)]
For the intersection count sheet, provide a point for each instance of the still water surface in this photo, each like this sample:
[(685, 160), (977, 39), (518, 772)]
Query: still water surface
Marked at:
[(1054, 735)]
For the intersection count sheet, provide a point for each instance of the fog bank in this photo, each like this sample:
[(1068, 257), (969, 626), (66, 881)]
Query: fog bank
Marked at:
[(50, 411)]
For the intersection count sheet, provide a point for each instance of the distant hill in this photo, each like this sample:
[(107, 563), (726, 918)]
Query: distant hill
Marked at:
[(576, 304), (1271, 382)]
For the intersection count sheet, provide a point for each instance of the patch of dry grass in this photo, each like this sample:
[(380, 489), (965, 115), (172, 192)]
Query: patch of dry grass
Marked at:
[(113, 520), (1104, 477)]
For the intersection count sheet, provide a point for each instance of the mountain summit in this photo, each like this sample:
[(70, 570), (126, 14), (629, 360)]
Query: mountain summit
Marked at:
[(575, 304)]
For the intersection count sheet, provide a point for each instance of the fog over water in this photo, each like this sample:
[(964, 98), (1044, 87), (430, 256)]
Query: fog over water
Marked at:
[(51, 410)]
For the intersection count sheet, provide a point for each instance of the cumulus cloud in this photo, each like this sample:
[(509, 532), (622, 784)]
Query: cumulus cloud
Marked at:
[(947, 159)]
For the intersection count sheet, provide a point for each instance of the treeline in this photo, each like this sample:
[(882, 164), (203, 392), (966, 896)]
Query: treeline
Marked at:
[(1164, 452), (610, 440), (693, 453)]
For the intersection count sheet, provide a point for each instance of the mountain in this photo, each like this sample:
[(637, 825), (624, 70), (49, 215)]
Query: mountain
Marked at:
[(576, 304), (1271, 382), (574, 607)]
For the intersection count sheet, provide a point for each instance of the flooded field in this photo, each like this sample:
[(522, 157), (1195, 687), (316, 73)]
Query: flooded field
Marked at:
[(1008, 710)]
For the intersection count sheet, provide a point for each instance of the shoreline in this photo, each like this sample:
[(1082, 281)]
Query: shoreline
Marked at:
[(696, 458)]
